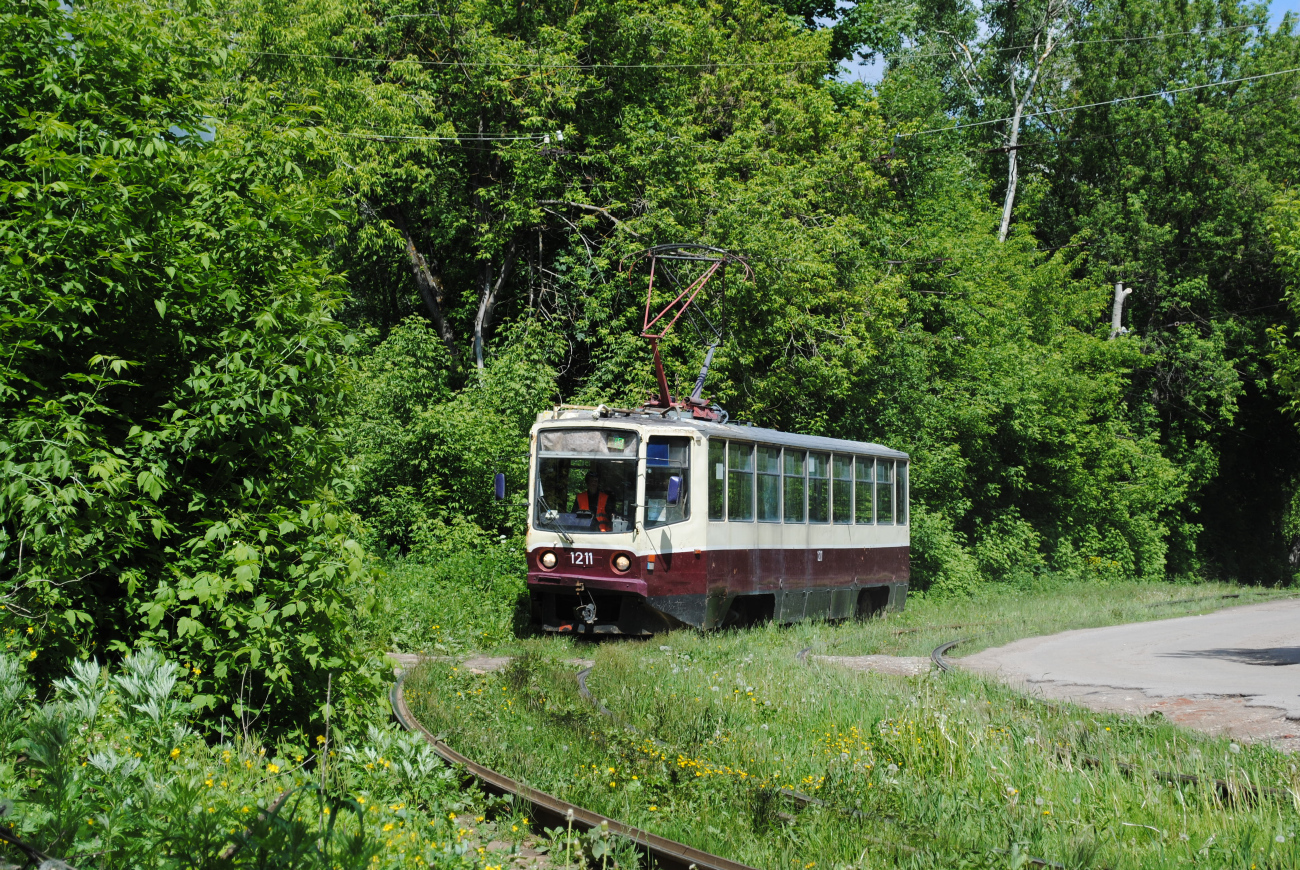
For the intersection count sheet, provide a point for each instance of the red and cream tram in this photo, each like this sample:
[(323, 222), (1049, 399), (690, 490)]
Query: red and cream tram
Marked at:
[(645, 520)]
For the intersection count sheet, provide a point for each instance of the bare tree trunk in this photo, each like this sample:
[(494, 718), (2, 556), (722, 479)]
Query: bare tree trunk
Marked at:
[(488, 301), (432, 290), (1117, 310), (1013, 141)]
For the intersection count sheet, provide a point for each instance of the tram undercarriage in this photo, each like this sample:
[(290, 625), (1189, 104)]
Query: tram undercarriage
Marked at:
[(599, 612)]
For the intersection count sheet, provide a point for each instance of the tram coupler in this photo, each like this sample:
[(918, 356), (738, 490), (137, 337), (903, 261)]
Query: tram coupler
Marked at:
[(586, 613)]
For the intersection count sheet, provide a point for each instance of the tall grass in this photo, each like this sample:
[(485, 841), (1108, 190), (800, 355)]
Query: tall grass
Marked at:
[(943, 770), (470, 600)]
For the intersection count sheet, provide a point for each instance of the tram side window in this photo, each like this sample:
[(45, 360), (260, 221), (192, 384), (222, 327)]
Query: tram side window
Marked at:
[(842, 489), (903, 493), (885, 491), (740, 482), (794, 501), (819, 485), (666, 458), (717, 480), (864, 504), (769, 484)]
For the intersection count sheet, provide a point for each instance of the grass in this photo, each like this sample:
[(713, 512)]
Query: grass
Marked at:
[(111, 774), (944, 770)]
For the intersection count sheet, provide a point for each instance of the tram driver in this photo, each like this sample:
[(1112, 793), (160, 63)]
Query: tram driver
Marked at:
[(594, 501)]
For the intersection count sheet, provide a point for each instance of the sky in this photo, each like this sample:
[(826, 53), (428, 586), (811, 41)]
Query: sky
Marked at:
[(870, 72)]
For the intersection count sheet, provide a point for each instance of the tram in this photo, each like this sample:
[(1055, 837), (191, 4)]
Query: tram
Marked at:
[(647, 519)]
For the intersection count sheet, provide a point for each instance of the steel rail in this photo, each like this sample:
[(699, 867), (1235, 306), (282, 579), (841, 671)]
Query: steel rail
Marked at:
[(666, 853), (937, 654)]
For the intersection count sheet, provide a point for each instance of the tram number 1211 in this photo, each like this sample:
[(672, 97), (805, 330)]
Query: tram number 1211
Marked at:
[(581, 557)]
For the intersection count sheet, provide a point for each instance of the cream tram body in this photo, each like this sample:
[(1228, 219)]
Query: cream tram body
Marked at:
[(759, 524)]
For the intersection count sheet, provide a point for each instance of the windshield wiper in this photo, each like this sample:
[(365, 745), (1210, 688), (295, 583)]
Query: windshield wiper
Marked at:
[(546, 509)]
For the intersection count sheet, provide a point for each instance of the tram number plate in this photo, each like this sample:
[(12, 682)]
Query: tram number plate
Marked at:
[(582, 557)]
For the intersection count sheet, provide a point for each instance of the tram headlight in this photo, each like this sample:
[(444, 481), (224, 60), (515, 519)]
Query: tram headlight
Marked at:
[(622, 563), (548, 560)]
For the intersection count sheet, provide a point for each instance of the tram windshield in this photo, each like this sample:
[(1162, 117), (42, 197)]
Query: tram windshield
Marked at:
[(586, 480)]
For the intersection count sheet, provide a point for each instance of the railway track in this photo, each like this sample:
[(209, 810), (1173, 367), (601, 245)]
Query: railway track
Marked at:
[(670, 853), (547, 807)]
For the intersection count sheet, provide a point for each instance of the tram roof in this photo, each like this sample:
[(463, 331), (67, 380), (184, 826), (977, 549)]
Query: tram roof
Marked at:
[(734, 431)]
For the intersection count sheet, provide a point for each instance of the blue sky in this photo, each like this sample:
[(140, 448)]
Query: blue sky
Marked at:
[(870, 72), (1282, 6)]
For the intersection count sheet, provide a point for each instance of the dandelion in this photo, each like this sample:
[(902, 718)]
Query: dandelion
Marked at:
[(31, 656), (388, 827), (273, 768), (1038, 802), (30, 629), (653, 808), (175, 753), (1280, 838), (1234, 748)]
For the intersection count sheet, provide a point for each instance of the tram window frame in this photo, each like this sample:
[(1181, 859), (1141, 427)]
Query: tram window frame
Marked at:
[(717, 471), (820, 482), (788, 492), (864, 479), (838, 462), (741, 480), (901, 492), (770, 478), (673, 458), (885, 486)]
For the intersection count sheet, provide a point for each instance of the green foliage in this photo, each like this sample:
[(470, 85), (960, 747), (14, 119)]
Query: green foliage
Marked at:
[(471, 598), (111, 773), (878, 308), (425, 455), (168, 391), (1284, 224)]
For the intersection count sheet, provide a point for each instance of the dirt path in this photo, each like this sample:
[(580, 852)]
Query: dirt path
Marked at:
[(1234, 672)]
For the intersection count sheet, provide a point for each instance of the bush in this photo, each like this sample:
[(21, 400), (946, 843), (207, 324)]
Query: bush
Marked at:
[(424, 456), (168, 392), (111, 773), (471, 599)]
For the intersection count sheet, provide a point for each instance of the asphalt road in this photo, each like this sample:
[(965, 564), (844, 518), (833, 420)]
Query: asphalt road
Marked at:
[(1191, 667)]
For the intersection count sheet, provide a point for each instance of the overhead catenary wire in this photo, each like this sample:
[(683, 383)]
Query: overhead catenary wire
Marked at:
[(1108, 40), (1161, 93), (534, 65), (702, 64), (366, 134)]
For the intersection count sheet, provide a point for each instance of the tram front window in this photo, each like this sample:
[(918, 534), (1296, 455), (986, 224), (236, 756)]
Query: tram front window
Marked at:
[(586, 480), (666, 458)]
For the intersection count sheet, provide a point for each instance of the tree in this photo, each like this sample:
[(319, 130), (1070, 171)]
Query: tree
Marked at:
[(169, 383)]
